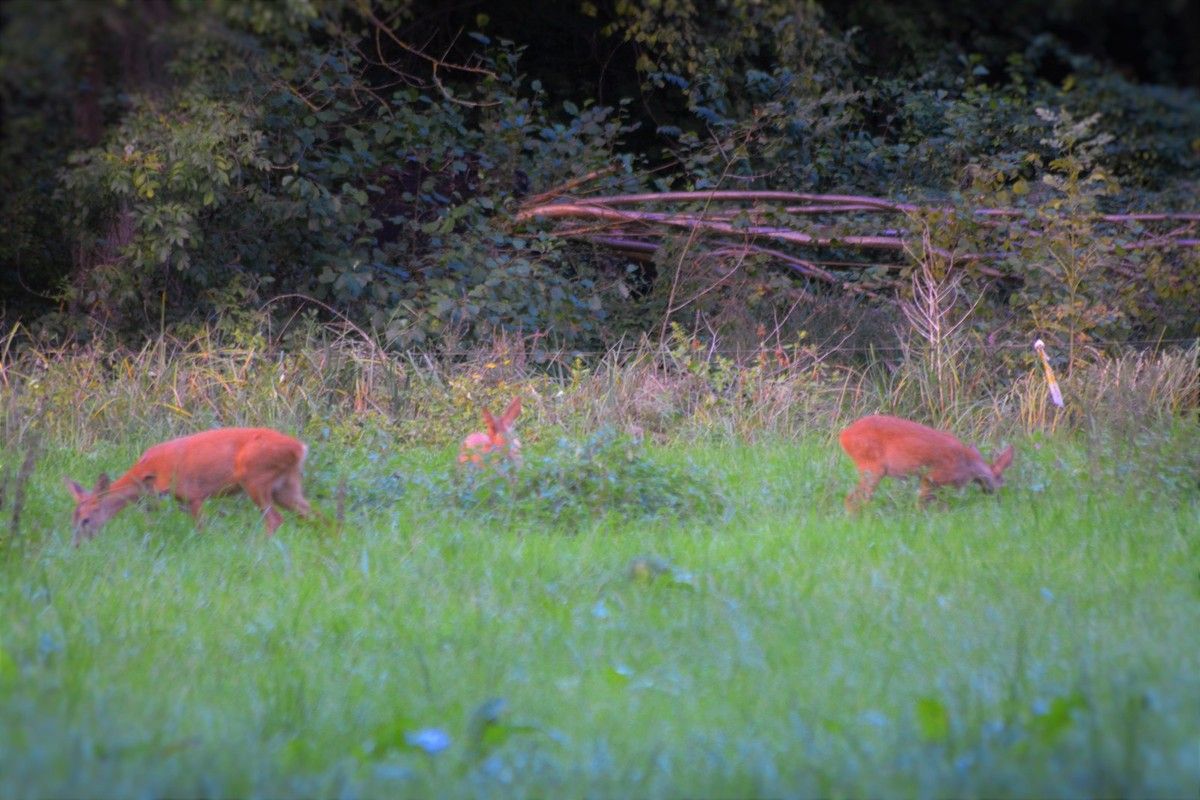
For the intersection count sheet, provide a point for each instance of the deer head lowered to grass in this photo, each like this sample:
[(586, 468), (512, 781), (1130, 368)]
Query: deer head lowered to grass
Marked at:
[(498, 438), (884, 446), (263, 463)]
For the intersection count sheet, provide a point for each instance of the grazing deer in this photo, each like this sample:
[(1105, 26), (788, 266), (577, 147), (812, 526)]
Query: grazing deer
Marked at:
[(498, 438), (263, 463), (881, 445)]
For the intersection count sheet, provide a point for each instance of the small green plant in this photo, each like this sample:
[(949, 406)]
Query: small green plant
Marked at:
[(1072, 290)]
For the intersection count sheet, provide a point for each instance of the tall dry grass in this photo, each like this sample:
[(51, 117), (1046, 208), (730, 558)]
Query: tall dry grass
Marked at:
[(339, 382)]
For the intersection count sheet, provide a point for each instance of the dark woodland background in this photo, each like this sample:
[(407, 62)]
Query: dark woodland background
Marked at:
[(168, 164)]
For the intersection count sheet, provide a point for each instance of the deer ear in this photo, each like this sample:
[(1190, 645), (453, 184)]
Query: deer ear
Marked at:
[(77, 491), (1003, 461), (510, 413), (102, 483), (491, 422)]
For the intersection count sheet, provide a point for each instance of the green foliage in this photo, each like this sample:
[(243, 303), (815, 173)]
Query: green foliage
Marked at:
[(173, 183), (606, 475), (932, 718), (171, 162), (1079, 285), (392, 205), (1067, 290), (769, 80), (459, 270)]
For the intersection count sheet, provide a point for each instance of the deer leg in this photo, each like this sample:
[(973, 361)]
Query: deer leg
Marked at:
[(863, 491), (290, 495), (260, 492), (193, 507), (927, 493)]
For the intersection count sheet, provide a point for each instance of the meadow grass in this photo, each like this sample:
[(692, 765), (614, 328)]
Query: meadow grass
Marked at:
[(1044, 641)]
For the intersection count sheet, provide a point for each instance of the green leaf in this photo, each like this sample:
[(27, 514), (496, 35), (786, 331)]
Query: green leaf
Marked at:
[(1049, 726), (933, 719), (388, 736), (618, 676), (8, 667)]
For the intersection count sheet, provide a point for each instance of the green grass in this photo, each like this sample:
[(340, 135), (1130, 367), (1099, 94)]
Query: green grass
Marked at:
[(1041, 642)]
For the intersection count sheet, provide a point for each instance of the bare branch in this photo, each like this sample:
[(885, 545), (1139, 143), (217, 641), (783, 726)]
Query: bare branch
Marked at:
[(436, 64)]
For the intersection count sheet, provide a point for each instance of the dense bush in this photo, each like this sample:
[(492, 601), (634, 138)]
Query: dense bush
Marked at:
[(392, 207), (576, 481)]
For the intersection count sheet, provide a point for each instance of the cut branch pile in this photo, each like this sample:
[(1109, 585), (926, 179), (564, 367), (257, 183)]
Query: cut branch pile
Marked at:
[(827, 237)]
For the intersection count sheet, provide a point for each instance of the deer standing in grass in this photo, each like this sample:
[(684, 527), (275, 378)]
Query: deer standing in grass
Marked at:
[(263, 463), (881, 446), (498, 438)]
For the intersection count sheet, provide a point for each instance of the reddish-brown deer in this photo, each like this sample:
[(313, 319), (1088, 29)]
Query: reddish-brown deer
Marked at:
[(883, 446), (497, 438), (263, 463)]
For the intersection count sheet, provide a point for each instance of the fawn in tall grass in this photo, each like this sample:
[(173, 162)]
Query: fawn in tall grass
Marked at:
[(881, 446), (498, 438), (263, 463)]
